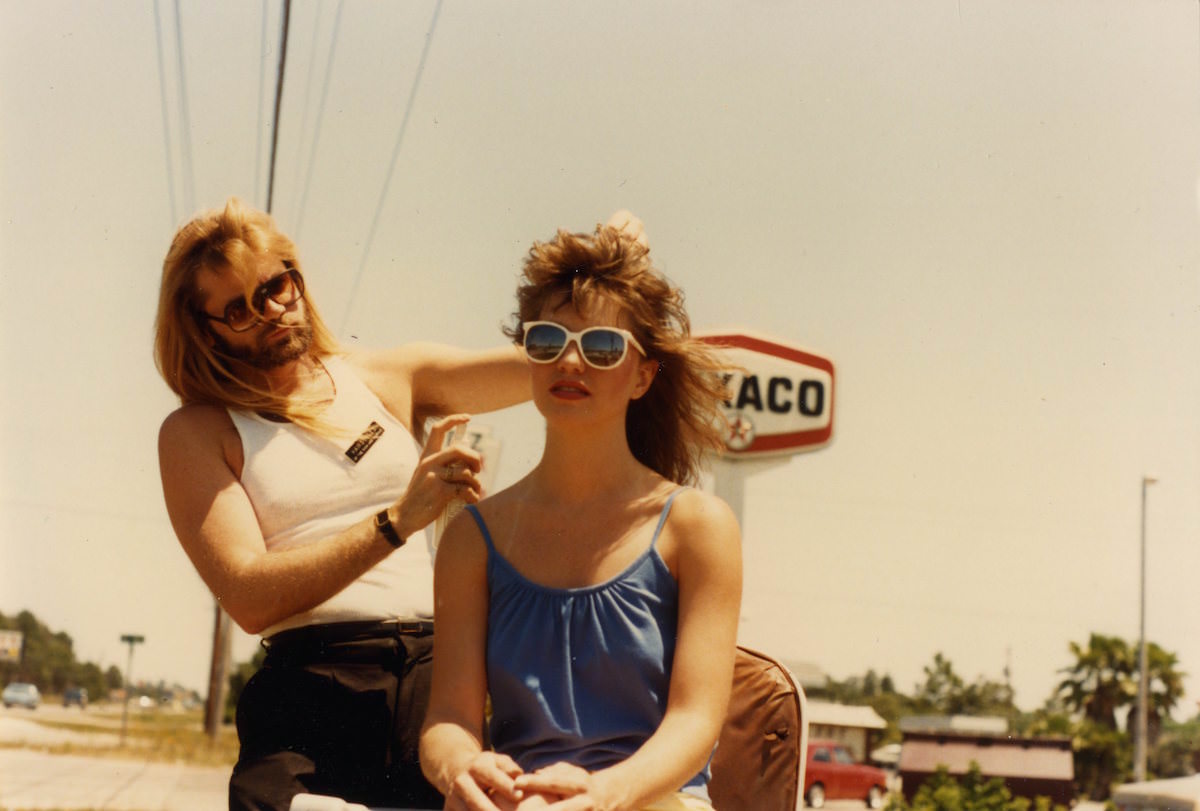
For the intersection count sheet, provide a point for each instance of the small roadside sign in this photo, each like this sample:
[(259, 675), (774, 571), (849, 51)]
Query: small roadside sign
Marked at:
[(10, 646)]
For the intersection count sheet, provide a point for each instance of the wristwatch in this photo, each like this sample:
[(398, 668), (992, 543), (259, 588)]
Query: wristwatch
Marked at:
[(383, 525)]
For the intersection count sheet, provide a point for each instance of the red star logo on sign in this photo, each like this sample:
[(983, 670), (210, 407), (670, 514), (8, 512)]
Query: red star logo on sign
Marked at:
[(741, 433)]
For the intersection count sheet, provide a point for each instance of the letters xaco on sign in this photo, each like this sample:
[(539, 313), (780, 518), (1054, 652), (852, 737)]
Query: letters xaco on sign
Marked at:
[(781, 399)]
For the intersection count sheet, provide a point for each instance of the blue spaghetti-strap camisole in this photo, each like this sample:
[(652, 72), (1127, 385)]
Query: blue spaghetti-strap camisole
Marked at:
[(580, 674)]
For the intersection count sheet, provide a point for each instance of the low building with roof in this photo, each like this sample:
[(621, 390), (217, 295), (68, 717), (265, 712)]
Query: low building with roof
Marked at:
[(1029, 767), (855, 727), (808, 675), (979, 724)]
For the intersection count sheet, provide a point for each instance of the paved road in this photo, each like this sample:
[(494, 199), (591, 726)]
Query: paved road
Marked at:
[(36, 780), (15, 729), (31, 779)]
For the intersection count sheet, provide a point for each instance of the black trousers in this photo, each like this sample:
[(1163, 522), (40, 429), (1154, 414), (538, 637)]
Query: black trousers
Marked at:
[(337, 716)]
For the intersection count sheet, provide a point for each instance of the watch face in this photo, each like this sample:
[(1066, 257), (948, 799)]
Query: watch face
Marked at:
[(384, 525)]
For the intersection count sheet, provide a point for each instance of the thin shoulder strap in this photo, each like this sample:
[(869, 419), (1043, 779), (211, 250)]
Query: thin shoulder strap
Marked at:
[(662, 518), (487, 536)]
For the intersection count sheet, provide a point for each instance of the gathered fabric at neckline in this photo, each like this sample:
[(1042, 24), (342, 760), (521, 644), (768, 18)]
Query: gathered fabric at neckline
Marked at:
[(649, 554)]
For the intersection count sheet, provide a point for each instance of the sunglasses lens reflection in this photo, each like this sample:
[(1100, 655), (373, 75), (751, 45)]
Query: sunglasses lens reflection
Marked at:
[(544, 342), (603, 348), (238, 315), (282, 290)]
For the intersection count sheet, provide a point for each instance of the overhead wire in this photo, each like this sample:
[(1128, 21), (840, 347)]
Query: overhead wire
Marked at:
[(166, 122), (262, 81), (312, 155), (189, 177), (283, 40), (223, 624), (408, 107), (312, 63)]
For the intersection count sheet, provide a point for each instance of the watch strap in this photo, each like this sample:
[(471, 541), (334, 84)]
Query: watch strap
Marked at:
[(383, 525)]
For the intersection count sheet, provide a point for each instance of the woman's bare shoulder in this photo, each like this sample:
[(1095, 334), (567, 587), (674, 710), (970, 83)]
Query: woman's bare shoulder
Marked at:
[(693, 506), (702, 525), (508, 498)]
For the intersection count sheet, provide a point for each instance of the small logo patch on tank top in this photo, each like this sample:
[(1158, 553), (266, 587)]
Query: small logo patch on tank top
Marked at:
[(364, 442)]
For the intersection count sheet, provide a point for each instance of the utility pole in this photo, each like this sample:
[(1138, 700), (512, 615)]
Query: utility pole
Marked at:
[(1139, 749), (214, 707), (130, 640)]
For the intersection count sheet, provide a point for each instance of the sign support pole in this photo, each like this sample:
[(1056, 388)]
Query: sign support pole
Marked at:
[(729, 480), (130, 640), (729, 484)]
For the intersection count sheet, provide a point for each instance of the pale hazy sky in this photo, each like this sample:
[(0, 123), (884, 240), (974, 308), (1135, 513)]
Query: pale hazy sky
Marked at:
[(984, 213)]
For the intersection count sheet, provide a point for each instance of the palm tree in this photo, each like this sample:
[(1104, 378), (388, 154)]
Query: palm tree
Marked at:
[(1164, 688), (1102, 681)]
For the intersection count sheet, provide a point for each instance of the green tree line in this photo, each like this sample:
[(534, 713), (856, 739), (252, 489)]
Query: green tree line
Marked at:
[(973, 792), (942, 692), (48, 660)]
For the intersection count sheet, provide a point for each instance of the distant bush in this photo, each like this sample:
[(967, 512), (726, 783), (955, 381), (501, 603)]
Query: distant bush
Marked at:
[(972, 792), (237, 682)]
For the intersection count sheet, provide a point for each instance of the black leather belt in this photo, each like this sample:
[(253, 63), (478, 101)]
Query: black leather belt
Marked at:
[(341, 641)]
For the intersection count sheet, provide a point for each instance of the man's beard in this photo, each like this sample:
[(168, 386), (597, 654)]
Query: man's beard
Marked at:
[(267, 357)]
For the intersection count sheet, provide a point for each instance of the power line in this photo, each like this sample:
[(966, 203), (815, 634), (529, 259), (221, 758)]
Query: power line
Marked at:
[(223, 624), (287, 14), (312, 155), (412, 94), (262, 81), (162, 92), (189, 178), (308, 83)]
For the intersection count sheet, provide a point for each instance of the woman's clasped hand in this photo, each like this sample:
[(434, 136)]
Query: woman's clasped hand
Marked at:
[(494, 782)]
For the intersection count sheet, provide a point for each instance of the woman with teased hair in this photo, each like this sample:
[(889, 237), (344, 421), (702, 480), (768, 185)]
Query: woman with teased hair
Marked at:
[(596, 600)]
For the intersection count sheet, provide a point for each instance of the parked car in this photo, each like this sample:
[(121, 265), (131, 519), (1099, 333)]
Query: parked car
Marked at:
[(75, 695), (832, 774), (23, 693), (1181, 793)]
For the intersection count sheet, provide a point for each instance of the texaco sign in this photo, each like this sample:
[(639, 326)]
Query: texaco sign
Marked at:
[(782, 400)]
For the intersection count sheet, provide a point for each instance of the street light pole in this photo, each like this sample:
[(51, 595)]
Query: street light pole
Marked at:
[(1139, 744), (131, 640)]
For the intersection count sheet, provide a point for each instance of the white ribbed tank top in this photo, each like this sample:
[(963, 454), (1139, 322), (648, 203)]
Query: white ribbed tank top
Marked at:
[(307, 488)]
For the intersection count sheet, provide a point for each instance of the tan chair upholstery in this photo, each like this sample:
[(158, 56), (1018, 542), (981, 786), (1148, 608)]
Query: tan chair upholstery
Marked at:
[(759, 762)]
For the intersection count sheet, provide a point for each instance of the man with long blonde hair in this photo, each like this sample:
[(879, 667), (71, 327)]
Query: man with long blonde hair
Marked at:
[(295, 485)]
